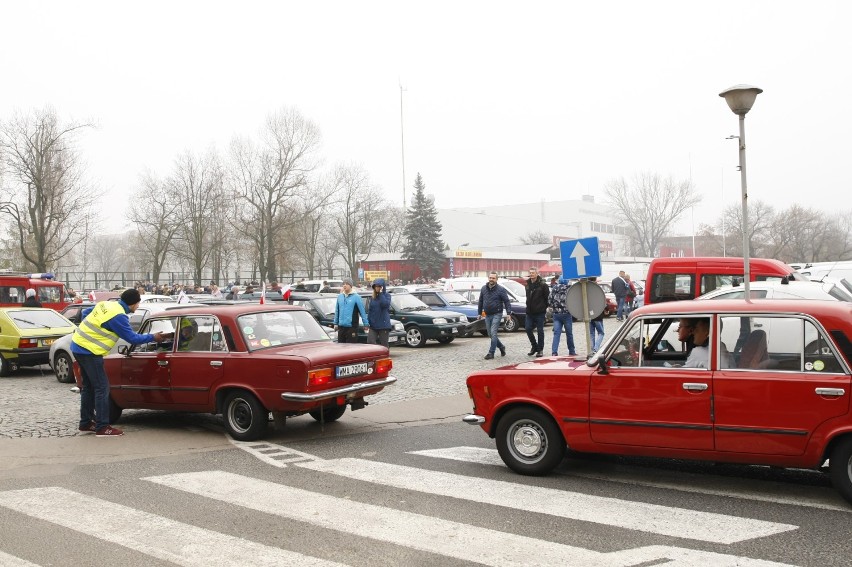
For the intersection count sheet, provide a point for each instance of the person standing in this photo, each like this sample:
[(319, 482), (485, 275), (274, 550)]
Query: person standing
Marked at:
[(31, 300), (101, 327), (494, 306), (537, 295), (379, 314), (619, 289), (562, 318), (596, 326), (345, 321)]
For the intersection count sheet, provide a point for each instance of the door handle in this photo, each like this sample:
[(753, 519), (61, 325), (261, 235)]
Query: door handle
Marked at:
[(162, 363), (830, 391), (694, 387), (216, 363)]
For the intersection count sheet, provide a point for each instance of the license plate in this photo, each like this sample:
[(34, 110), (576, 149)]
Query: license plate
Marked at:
[(352, 370), (46, 342)]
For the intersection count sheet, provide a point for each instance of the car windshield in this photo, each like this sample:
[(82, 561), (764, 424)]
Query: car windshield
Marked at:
[(326, 306), (515, 288), (275, 328), (454, 298), (38, 319), (407, 302)]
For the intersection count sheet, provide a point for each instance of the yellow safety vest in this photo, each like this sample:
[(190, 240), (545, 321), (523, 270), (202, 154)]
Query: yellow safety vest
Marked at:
[(91, 335)]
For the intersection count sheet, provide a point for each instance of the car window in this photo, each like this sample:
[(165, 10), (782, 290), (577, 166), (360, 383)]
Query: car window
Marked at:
[(195, 334), (709, 282), (672, 287), (12, 294), (407, 302), (274, 328), (431, 299), (779, 343), (454, 298), (657, 342), (740, 294), (37, 319), (49, 294)]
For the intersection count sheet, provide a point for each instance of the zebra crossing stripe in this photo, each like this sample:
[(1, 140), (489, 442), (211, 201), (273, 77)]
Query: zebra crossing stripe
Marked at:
[(153, 535), (7, 560), (434, 535), (653, 518), (270, 453), (806, 498)]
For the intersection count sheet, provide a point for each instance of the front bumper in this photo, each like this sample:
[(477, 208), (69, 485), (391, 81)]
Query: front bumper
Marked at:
[(342, 391)]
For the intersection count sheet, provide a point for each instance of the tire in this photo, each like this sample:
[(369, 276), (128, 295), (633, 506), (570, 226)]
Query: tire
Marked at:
[(511, 325), (413, 337), (529, 441), (114, 411), (840, 468), (328, 413), (63, 367), (445, 340), (245, 418), (5, 368)]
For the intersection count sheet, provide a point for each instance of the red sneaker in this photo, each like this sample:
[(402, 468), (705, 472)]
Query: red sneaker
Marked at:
[(88, 428), (108, 431)]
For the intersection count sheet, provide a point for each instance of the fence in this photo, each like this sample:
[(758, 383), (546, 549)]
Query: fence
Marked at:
[(111, 280)]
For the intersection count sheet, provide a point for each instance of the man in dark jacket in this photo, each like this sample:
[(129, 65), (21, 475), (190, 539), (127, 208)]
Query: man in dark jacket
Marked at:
[(378, 313), (31, 300), (620, 288), (494, 305), (537, 295)]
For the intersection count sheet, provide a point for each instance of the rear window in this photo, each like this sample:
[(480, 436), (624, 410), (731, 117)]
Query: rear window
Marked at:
[(37, 319), (275, 328)]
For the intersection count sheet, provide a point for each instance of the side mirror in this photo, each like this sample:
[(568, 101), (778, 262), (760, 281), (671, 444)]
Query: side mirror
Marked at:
[(124, 350)]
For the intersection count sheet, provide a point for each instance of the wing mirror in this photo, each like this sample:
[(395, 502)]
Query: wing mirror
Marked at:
[(124, 350)]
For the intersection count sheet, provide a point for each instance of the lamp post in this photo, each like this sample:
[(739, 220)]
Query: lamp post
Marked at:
[(740, 99)]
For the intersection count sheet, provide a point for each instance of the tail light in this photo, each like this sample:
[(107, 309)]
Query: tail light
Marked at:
[(320, 377), (27, 343), (383, 366)]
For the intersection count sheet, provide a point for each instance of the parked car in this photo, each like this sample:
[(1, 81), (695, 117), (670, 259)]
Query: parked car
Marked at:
[(771, 394), (826, 291), (74, 311), (321, 306), (611, 303), (60, 357), (423, 324), (26, 334), (454, 301), (244, 361)]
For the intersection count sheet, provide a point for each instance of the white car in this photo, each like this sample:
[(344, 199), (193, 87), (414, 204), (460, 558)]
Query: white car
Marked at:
[(827, 291)]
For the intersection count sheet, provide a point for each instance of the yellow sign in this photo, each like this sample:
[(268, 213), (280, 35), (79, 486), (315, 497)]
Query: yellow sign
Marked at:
[(468, 254), (373, 275)]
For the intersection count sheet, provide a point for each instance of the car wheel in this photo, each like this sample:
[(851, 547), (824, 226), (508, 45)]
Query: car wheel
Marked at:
[(445, 340), (63, 367), (511, 325), (840, 468), (529, 441), (328, 413), (5, 368), (245, 418), (413, 337), (114, 411)]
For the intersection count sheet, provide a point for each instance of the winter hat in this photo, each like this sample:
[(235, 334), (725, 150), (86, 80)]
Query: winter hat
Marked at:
[(348, 281), (131, 296), (563, 281), (31, 292)]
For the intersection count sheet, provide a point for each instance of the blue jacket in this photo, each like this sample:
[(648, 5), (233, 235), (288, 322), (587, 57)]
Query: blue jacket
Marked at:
[(345, 308), (120, 325), (379, 310), (494, 300)]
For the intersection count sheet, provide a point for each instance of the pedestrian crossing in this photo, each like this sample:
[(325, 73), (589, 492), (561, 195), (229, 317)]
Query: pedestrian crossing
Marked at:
[(381, 524)]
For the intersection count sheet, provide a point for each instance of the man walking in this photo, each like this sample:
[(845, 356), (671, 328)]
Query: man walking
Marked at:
[(620, 289), (493, 303), (562, 319), (97, 334), (537, 295)]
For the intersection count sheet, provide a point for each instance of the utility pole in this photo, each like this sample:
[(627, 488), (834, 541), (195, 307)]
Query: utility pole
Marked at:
[(402, 134)]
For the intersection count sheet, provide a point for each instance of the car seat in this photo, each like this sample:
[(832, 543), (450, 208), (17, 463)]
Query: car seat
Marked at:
[(754, 353)]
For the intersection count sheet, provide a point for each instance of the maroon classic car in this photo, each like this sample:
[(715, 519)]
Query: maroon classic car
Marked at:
[(764, 382), (245, 361)]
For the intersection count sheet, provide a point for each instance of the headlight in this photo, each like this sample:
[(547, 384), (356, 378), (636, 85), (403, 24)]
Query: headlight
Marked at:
[(439, 321), (399, 327), (463, 318)]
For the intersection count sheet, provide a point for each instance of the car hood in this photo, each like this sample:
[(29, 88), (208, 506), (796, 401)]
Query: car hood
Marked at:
[(427, 313), (322, 352)]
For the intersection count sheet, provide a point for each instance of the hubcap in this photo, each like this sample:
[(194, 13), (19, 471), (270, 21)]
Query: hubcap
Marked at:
[(528, 440), (240, 415)]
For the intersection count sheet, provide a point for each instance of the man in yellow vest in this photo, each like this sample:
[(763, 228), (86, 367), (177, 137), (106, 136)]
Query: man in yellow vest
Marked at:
[(102, 326)]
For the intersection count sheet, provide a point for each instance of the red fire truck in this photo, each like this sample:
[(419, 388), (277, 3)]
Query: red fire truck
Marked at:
[(14, 286)]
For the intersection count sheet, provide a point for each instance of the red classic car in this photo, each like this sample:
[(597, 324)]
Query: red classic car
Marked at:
[(245, 361), (764, 382)]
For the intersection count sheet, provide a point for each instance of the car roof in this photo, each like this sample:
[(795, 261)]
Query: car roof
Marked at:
[(232, 310), (819, 309)]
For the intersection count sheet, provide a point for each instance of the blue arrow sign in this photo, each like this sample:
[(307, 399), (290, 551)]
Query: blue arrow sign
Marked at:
[(580, 258)]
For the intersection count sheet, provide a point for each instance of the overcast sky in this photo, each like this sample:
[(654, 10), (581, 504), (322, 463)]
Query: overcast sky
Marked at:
[(504, 102)]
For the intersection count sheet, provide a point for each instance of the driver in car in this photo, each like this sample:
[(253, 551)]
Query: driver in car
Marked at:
[(188, 331)]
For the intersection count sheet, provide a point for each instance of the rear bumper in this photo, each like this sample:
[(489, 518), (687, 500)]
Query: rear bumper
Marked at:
[(335, 392), (473, 419)]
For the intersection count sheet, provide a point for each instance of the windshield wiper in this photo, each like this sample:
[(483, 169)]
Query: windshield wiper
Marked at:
[(42, 325)]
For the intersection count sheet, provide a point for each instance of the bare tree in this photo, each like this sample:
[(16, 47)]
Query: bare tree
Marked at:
[(649, 206), (156, 216), (536, 237), (108, 256), (47, 196), (272, 180), (761, 215), (358, 220), (389, 237)]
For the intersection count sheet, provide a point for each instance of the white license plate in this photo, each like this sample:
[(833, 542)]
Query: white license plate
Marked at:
[(46, 342), (352, 370)]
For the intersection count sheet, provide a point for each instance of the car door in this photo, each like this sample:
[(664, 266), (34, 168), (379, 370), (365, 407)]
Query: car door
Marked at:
[(145, 376), (642, 401), (783, 380), (197, 362)]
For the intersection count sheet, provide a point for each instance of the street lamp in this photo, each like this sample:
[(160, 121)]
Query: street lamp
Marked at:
[(740, 99)]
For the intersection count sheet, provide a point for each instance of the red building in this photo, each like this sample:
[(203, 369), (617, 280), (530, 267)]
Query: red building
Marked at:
[(458, 264)]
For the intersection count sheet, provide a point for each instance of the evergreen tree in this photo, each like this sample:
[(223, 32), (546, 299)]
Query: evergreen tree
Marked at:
[(422, 236)]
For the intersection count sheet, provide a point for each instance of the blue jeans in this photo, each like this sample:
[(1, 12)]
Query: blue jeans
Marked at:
[(619, 314), (563, 321), (492, 323), (596, 327), (536, 322), (94, 395)]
